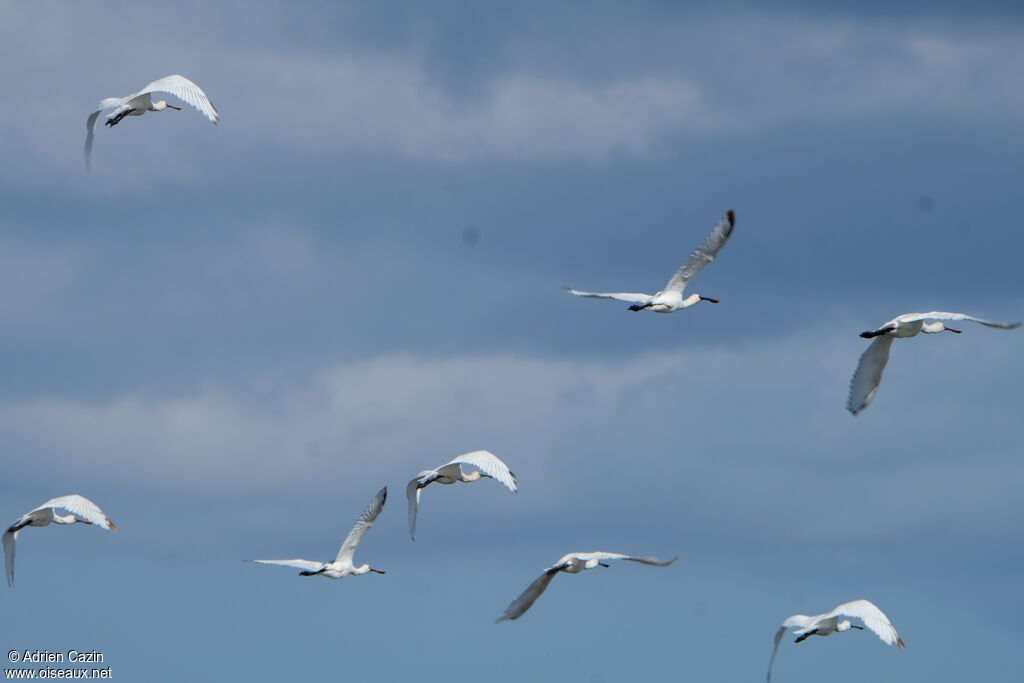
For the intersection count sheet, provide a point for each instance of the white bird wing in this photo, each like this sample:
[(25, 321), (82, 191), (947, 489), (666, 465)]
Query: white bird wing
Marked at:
[(490, 464), (365, 521), (797, 621), (634, 297), (9, 539), (308, 565), (80, 507), (186, 91), (941, 315), (412, 492), (868, 374), (599, 555), (90, 125), (704, 254), (529, 596), (872, 617)]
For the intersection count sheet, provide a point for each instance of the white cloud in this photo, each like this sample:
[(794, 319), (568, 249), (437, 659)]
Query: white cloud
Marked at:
[(708, 434), (393, 105)]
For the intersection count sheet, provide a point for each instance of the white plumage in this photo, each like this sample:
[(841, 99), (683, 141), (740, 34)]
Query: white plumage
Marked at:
[(139, 103), (670, 298), (82, 510), (829, 623), (868, 375), (573, 563), (486, 463), (342, 565)]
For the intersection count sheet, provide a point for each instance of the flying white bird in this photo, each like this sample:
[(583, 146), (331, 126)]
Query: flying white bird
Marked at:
[(139, 103), (670, 298), (869, 370), (828, 623), (486, 463), (82, 510), (342, 565), (573, 563)]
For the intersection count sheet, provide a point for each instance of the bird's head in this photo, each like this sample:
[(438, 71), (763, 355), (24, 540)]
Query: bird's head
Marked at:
[(161, 105), (365, 569), (845, 625)]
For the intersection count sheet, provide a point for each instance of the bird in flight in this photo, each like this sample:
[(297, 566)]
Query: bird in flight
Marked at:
[(573, 563), (83, 511), (868, 375), (342, 565), (829, 623), (486, 464), (670, 298), (139, 103)]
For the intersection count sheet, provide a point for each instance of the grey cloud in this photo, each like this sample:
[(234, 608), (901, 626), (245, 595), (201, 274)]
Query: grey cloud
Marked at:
[(713, 73)]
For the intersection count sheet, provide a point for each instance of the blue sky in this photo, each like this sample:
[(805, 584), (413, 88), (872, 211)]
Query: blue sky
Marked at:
[(230, 337)]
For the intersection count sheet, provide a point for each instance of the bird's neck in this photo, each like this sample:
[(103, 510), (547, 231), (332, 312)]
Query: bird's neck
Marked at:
[(690, 300)]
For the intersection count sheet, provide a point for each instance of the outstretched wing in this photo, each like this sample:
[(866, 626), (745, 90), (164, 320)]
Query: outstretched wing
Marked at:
[(529, 596), (412, 492), (778, 639), (941, 315), (872, 617), (9, 538), (348, 547), (82, 508), (90, 125), (307, 565), (90, 128), (795, 621), (869, 374), (704, 254), (490, 464), (636, 298), (599, 555), (186, 91)]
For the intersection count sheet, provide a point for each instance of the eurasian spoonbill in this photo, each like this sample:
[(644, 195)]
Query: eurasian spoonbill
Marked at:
[(139, 103), (869, 370), (670, 298), (487, 466), (573, 563), (828, 623), (342, 565), (82, 510)]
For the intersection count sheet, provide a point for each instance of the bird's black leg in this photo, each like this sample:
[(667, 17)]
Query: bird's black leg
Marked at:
[(604, 565), (117, 119), (805, 636), (638, 307), (877, 333)]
